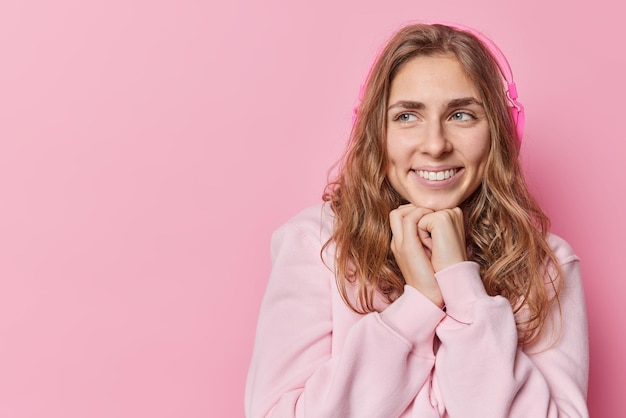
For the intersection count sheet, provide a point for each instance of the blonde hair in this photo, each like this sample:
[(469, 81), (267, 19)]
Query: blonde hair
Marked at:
[(505, 227)]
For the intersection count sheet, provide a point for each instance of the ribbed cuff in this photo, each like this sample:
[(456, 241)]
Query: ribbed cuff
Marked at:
[(461, 286), (415, 317)]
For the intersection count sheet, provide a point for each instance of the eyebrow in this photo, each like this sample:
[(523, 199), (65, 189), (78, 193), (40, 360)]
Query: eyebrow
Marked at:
[(413, 105)]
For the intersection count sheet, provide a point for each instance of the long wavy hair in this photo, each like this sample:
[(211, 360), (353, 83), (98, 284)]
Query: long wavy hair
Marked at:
[(505, 227)]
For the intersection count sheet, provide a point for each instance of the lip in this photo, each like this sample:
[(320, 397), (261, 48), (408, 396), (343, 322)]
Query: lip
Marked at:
[(437, 184)]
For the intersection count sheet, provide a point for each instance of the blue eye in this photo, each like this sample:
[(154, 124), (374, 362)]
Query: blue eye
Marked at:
[(462, 116), (405, 117)]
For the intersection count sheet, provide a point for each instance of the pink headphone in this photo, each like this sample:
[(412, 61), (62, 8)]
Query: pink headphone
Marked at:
[(517, 110)]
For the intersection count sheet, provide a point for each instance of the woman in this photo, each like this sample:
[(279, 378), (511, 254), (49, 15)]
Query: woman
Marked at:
[(427, 284)]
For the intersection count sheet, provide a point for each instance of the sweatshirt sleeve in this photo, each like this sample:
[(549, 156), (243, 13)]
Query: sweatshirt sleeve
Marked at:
[(480, 370), (384, 361)]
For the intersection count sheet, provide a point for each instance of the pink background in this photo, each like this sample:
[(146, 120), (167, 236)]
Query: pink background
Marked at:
[(149, 148)]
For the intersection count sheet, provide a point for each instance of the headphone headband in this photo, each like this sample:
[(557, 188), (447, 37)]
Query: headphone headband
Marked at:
[(517, 110)]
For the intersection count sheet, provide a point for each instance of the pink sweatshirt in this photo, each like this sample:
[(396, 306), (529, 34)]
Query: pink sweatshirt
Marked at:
[(314, 357)]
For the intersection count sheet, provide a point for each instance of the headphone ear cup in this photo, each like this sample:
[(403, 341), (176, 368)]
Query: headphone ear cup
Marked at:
[(518, 118), (521, 118), (515, 115)]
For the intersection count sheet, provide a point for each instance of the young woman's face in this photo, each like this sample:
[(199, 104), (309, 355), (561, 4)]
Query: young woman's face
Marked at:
[(437, 133)]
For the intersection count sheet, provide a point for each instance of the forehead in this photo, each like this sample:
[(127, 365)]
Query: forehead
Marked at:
[(436, 75)]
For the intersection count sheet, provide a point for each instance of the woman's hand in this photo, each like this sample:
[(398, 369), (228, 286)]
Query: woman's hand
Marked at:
[(443, 234), (424, 242), (411, 254)]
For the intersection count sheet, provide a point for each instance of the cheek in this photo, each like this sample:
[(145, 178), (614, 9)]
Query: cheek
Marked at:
[(479, 159), (479, 154), (395, 157), (396, 152), (396, 165)]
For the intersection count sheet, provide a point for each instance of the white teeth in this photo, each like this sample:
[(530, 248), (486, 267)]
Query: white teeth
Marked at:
[(437, 175)]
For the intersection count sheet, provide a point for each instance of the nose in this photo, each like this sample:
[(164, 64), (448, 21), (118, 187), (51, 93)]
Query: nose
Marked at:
[(434, 141)]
